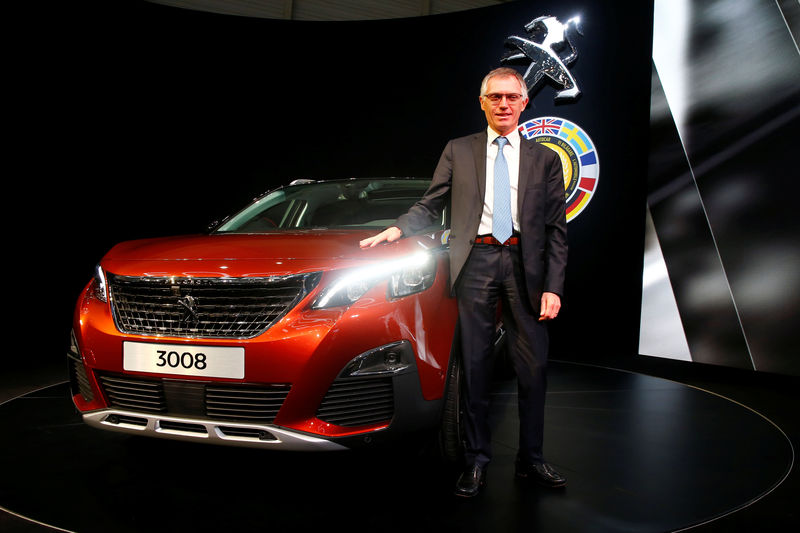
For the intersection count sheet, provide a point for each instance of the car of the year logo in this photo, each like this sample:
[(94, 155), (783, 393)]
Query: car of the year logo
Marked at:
[(274, 329)]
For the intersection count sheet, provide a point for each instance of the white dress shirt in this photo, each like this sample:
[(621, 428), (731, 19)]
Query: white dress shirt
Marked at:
[(511, 153)]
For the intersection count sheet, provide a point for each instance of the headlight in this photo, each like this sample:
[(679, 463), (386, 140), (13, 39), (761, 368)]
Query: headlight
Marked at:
[(344, 292), (100, 291), (414, 277), (407, 275)]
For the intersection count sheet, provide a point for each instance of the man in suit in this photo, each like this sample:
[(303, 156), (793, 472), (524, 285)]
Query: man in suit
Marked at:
[(508, 245)]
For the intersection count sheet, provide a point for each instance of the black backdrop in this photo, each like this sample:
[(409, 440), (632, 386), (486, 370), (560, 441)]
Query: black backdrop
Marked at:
[(149, 120)]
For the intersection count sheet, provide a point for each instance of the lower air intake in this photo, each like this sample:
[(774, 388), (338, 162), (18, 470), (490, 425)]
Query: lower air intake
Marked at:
[(358, 401)]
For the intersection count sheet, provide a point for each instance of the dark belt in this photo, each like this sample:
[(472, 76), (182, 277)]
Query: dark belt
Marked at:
[(488, 239)]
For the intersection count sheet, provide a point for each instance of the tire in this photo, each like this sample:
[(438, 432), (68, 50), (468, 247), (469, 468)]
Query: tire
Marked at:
[(451, 432)]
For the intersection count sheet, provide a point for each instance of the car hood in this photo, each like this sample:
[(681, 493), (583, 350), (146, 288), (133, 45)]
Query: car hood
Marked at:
[(254, 255)]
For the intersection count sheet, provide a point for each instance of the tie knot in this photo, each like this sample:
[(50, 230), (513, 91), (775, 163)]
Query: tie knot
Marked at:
[(501, 142)]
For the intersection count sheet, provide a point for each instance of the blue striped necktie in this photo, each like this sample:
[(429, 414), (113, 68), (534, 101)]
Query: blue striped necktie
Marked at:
[(502, 226)]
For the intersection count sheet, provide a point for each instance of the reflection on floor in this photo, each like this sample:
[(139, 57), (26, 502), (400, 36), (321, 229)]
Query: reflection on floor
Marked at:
[(640, 453)]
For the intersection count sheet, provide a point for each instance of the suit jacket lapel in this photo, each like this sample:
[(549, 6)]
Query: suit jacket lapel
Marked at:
[(479, 152), (525, 167)]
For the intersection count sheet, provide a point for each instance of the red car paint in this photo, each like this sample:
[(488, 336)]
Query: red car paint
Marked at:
[(307, 347)]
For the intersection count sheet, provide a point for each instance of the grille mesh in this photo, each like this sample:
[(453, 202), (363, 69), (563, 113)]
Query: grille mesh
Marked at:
[(204, 307), (232, 402), (134, 394), (79, 377), (255, 404), (352, 402)]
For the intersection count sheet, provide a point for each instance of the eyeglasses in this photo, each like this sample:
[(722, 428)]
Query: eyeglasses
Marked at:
[(511, 98)]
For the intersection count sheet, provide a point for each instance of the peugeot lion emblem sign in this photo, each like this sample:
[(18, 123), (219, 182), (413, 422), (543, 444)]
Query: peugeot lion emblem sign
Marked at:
[(548, 52), (189, 305)]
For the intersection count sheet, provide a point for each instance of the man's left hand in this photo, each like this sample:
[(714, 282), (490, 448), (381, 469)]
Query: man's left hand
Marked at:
[(551, 305)]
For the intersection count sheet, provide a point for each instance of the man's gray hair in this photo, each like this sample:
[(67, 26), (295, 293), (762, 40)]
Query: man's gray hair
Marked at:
[(505, 72)]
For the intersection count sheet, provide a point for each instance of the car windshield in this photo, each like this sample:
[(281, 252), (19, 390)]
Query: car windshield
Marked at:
[(355, 204)]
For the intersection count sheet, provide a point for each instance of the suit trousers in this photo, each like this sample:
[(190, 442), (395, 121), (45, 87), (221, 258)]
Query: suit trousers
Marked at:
[(494, 275)]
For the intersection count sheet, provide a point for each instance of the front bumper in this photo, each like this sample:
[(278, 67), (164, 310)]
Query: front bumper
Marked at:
[(186, 411), (211, 431)]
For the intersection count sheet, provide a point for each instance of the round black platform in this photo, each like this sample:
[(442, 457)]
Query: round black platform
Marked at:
[(640, 454)]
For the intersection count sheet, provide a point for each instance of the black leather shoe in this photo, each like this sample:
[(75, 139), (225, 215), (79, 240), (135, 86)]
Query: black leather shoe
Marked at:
[(471, 482), (541, 473)]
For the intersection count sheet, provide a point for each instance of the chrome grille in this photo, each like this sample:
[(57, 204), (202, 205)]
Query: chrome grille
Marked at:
[(360, 401), (232, 402), (204, 307)]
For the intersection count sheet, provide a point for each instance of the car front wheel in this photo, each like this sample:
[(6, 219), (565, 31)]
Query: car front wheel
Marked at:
[(451, 432)]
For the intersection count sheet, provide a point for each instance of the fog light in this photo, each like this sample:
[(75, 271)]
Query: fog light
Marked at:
[(392, 360), (389, 359)]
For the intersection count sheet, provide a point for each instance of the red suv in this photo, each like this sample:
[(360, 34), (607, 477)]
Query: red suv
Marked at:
[(275, 329)]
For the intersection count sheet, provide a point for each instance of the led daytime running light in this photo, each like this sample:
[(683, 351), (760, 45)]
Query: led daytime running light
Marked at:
[(101, 290), (359, 281)]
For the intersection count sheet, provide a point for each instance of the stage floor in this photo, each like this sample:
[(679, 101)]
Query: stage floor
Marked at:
[(640, 454)]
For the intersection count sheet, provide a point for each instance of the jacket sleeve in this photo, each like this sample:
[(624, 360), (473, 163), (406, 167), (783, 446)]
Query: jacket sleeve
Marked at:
[(429, 208), (555, 230)]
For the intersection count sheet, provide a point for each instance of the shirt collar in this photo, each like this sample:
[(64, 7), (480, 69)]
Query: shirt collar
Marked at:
[(513, 137)]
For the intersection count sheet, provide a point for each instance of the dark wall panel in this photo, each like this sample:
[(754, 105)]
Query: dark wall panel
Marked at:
[(161, 120), (724, 131)]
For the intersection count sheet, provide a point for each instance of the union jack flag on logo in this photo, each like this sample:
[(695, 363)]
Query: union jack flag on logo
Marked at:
[(579, 161), (542, 126)]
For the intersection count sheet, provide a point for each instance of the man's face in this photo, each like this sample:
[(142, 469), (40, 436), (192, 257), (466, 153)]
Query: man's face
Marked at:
[(503, 116)]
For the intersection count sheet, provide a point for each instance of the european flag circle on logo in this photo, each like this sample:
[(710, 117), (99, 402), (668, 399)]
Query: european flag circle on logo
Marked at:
[(578, 156)]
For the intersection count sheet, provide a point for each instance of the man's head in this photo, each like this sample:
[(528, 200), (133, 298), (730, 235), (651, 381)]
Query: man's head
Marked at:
[(503, 97)]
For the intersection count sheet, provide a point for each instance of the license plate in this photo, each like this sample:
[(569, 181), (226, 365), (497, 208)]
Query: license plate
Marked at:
[(206, 361)]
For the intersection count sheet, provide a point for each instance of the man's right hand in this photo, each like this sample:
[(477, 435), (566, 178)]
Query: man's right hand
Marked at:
[(390, 234)]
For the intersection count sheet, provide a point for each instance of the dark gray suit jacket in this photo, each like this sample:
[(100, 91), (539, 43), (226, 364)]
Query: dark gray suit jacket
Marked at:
[(460, 177)]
